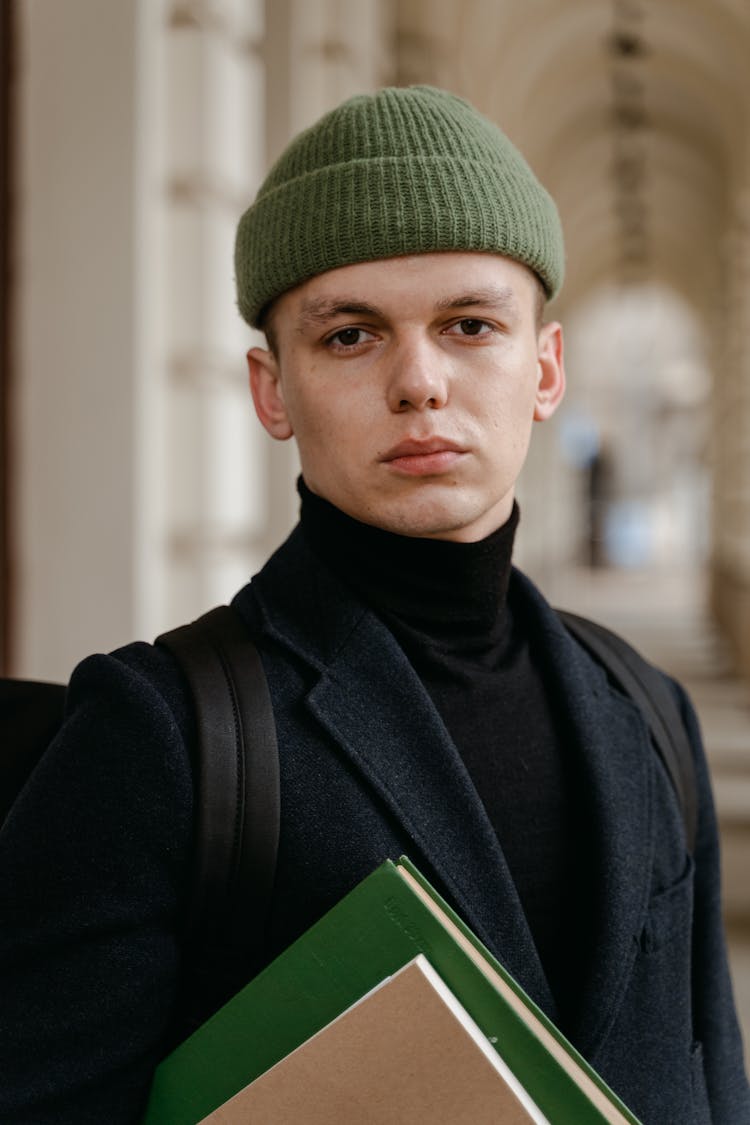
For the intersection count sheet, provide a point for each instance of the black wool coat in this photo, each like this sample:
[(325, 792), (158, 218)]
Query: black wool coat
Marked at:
[(95, 859)]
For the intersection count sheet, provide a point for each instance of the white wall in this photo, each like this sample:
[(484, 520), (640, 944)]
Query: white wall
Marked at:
[(77, 331)]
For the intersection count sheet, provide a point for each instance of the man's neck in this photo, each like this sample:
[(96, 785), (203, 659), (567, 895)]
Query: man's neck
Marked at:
[(430, 582)]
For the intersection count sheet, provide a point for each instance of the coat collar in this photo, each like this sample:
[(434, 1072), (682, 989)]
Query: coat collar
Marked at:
[(402, 749)]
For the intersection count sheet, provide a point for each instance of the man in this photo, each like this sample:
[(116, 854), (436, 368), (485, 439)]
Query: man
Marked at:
[(427, 699)]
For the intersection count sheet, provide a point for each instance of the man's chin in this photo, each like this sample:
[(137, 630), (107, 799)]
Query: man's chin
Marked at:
[(455, 521)]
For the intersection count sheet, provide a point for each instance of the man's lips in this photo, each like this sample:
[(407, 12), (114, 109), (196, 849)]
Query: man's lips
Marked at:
[(420, 458)]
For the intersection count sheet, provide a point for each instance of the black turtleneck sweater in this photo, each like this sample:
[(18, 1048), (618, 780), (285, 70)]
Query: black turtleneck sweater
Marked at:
[(447, 605)]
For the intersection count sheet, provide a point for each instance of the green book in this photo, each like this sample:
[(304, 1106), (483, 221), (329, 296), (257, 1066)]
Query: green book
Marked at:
[(380, 926)]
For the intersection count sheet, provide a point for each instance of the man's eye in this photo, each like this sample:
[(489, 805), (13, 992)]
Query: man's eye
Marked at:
[(471, 327), (349, 337)]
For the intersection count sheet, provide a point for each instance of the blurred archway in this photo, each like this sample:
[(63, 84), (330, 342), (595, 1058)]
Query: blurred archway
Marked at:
[(636, 427)]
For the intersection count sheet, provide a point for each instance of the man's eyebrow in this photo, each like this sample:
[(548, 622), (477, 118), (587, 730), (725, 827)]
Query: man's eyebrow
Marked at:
[(496, 296), (317, 311), (320, 310)]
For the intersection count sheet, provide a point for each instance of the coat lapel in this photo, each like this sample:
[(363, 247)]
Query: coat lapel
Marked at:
[(370, 700), (409, 759), (616, 760)]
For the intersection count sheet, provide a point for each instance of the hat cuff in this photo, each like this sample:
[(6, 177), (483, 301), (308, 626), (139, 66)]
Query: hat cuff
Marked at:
[(343, 214)]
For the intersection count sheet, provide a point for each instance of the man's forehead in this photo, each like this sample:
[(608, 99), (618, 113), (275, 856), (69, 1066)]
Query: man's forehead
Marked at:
[(435, 282)]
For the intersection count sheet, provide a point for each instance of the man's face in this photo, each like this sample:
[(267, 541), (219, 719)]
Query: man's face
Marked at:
[(410, 385)]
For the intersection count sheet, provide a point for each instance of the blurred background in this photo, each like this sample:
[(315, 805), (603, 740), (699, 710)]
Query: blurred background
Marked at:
[(137, 488)]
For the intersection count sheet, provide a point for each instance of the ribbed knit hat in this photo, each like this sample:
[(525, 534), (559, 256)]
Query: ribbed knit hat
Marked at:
[(403, 171)]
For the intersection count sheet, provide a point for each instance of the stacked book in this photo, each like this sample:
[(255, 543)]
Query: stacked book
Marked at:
[(388, 1009)]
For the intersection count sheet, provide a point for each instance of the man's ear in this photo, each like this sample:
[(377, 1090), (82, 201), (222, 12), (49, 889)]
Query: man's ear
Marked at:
[(550, 371), (268, 398)]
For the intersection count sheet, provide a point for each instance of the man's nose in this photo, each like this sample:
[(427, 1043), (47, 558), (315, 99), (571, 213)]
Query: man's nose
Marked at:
[(419, 377)]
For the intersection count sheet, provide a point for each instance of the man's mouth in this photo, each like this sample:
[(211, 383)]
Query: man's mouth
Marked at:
[(426, 457)]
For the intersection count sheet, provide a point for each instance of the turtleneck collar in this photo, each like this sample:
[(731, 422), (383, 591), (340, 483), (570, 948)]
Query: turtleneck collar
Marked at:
[(433, 584)]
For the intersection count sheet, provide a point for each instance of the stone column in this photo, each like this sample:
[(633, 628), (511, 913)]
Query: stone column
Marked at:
[(213, 476), (84, 176)]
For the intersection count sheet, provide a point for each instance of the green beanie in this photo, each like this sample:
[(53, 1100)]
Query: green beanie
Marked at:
[(403, 171)]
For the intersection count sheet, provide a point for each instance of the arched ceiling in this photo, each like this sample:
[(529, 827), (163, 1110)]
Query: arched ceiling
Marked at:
[(634, 113)]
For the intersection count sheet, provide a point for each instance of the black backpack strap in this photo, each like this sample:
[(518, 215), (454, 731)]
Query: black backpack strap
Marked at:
[(649, 690), (236, 771)]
